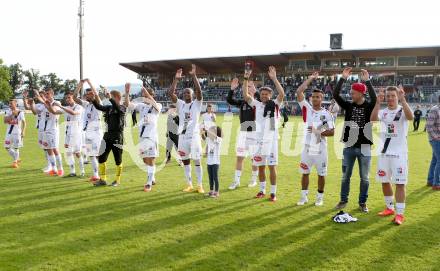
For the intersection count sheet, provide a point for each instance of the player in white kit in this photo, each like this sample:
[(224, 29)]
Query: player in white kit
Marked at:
[(91, 125), (267, 118), (149, 111), (392, 162), (15, 131), (51, 132), (73, 136), (29, 105), (318, 125), (190, 146), (208, 119)]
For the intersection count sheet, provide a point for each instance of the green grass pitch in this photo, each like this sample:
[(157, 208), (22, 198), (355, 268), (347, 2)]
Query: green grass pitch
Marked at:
[(51, 223)]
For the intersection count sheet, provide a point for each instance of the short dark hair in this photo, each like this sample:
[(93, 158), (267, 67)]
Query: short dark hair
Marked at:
[(88, 89), (392, 88), (317, 90), (266, 89), (68, 93), (172, 106)]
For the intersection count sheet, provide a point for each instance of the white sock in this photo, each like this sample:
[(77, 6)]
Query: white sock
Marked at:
[(53, 164), (319, 195), (71, 163), (263, 187), (400, 208), (237, 175), (81, 163), (94, 166), (199, 173), (17, 154), (154, 173), (188, 174), (389, 201), (254, 176), (47, 159), (11, 152), (304, 193), (59, 161), (150, 175), (273, 188)]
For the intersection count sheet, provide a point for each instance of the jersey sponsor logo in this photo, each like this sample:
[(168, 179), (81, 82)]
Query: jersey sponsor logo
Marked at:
[(7, 142), (399, 170), (391, 128), (181, 153), (304, 166), (381, 173), (258, 158)]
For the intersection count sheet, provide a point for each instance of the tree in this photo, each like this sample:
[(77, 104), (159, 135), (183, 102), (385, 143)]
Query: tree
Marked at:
[(32, 79), (5, 88), (52, 81), (17, 77), (69, 86)]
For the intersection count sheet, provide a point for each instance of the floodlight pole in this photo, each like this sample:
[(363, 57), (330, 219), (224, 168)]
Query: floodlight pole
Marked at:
[(81, 34)]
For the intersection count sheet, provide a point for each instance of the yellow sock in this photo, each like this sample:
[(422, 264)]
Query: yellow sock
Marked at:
[(103, 171), (118, 173)]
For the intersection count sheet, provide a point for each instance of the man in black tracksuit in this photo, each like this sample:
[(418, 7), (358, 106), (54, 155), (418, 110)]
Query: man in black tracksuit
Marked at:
[(114, 117), (357, 135), (417, 115), (247, 132)]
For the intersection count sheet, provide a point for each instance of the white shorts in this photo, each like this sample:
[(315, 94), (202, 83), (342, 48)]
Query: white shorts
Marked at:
[(13, 141), (93, 143), (73, 143), (266, 153), (246, 144), (190, 147), (308, 160), (392, 168), (51, 140), (148, 148), (40, 139)]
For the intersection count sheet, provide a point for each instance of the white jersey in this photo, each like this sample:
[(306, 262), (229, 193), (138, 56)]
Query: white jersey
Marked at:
[(189, 116), (208, 120), (40, 119), (318, 119), (334, 110), (265, 125), (49, 122), (14, 125), (148, 119), (74, 122), (213, 150), (393, 131), (91, 118)]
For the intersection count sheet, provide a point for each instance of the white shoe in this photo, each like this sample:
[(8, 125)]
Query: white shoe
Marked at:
[(319, 201), (46, 169), (302, 201), (252, 184), (234, 185)]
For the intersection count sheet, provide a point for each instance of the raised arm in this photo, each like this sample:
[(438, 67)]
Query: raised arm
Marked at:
[(197, 88), (77, 91), (97, 98), (375, 113), (300, 91), (365, 77), (23, 127), (246, 78), (273, 76), (230, 99), (172, 90), (409, 115), (97, 103), (54, 109), (150, 98), (127, 95), (337, 91)]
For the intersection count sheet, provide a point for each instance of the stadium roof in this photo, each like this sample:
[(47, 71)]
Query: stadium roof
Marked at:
[(235, 64)]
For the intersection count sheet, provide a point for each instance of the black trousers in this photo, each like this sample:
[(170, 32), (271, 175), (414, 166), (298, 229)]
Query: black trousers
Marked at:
[(172, 140), (416, 124), (113, 143), (213, 177)]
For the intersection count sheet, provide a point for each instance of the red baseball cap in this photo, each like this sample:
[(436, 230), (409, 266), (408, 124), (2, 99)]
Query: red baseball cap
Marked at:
[(359, 87)]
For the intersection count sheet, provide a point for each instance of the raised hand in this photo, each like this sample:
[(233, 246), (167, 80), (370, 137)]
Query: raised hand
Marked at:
[(193, 70), (401, 93), (234, 84), (127, 88), (272, 73), (25, 94), (179, 73), (365, 76), (247, 73), (346, 72)]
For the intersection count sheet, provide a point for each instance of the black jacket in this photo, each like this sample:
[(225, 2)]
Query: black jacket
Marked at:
[(359, 114), (114, 117), (247, 112)]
